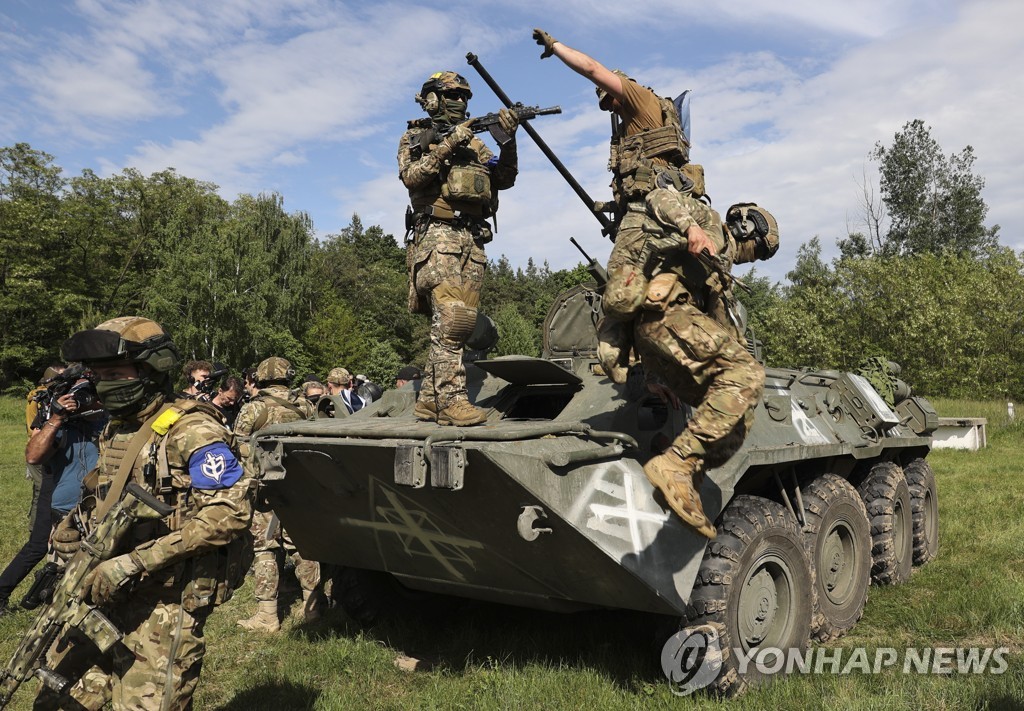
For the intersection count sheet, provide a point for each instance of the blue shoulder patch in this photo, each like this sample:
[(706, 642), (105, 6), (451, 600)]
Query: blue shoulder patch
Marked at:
[(492, 161), (214, 467)]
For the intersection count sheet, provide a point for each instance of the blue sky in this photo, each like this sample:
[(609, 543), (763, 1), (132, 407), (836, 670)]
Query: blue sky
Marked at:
[(308, 98)]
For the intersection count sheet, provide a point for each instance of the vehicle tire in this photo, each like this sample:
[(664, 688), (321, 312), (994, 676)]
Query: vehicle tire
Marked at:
[(887, 499), (370, 597), (837, 536), (924, 505), (754, 586)]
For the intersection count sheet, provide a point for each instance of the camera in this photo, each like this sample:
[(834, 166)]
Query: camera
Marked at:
[(66, 383)]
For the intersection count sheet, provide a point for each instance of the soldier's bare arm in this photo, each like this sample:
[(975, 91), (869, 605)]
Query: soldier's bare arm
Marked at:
[(582, 64)]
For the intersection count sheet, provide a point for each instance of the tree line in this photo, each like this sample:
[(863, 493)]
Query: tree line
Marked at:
[(233, 282), (926, 283)]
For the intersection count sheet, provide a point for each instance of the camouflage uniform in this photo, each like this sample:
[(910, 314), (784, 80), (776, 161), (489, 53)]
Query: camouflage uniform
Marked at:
[(185, 564), (446, 257), (703, 361), (269, 537)]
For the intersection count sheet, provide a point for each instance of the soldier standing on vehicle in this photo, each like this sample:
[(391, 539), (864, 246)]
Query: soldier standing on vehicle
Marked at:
[(659, 305), (453, 181), (176, 569), (272, 405)]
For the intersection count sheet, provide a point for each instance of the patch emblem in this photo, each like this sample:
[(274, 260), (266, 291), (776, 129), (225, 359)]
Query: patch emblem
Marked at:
[(214, 467)]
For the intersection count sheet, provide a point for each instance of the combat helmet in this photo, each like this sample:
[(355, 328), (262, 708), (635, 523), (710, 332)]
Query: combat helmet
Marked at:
[(128, 339), (444, 95), (747, 221), (274, 370)]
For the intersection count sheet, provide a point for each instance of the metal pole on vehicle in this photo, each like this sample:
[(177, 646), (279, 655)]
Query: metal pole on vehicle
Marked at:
[(606, 223)]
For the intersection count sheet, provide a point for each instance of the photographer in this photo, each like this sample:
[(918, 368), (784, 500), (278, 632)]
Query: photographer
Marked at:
[(34, 472), (65, 444), (195, 373)]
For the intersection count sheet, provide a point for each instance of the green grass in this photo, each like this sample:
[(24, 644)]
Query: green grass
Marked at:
[(490, 656)]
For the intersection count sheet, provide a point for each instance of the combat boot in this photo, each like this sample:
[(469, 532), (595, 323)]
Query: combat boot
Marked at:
[(265, 619), (425, 411), (679, 479), (311, 605), (461, 414)]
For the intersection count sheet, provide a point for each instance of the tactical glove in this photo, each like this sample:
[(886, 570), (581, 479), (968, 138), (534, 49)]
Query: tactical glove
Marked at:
[(67, 539), (460, 135), (112, 575), (546, 41), (508, 121)]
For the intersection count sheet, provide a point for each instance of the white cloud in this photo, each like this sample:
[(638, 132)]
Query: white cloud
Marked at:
[(308, 97)]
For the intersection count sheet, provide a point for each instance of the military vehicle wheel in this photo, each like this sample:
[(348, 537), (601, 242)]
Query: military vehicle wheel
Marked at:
[(370, 596), (754, 586), (837, 536), (924, 505), (887, 499)]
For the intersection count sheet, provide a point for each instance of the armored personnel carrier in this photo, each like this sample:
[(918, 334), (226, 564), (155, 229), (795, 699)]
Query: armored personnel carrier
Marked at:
[(546, 504)]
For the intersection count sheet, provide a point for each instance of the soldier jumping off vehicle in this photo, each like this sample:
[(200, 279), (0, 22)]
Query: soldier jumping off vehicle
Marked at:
[(659, 305), (453, 181)]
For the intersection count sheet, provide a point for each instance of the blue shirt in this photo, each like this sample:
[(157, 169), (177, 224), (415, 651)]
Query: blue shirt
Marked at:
[(76, 456)]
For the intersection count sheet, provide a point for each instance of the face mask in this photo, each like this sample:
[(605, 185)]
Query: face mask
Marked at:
[(313, 398), (450, 111), (122, 397)]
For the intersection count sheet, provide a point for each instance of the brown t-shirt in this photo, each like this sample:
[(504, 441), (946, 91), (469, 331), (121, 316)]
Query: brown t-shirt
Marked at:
[(640, 108)]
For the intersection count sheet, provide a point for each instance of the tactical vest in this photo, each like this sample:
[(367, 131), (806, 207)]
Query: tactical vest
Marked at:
[(462, 186), (635, 160), (206, 578)]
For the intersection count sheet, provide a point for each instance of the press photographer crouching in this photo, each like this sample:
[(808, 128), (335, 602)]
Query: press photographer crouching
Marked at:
[(64, 441)]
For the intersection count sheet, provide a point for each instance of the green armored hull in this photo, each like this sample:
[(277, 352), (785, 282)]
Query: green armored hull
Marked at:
[(547, 506)]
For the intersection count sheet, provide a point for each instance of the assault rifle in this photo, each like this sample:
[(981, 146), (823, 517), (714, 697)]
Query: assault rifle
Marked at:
[(67, 614), (489, 122)]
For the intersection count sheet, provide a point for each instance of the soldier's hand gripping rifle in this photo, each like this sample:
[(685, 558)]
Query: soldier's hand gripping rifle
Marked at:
[(490, 122), (68, 613)]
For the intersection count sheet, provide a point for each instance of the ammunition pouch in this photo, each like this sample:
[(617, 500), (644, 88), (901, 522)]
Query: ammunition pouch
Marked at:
[(479, 228), (663, 290), (467, 183)]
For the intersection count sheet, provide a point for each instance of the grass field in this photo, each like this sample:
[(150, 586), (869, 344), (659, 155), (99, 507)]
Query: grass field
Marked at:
[(497, 657)]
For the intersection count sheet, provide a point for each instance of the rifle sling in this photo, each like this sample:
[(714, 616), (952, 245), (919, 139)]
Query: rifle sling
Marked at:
[(140, 440), (143, 437)]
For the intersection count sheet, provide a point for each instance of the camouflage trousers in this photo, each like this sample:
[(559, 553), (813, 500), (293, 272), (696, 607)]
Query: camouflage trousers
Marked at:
[(649, 229), (155, 666), (268, 546), (449, 272), (700, 361)]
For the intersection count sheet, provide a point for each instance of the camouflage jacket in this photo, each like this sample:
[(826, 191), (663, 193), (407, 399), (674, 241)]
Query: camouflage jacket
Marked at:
[(272, 405), (191, 466), (422, 170)]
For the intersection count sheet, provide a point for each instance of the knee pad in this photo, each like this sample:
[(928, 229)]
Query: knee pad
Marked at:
[(457, 323)]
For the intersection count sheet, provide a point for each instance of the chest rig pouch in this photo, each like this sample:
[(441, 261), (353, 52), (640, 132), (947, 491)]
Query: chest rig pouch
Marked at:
[(467, 180), (635, 160)]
